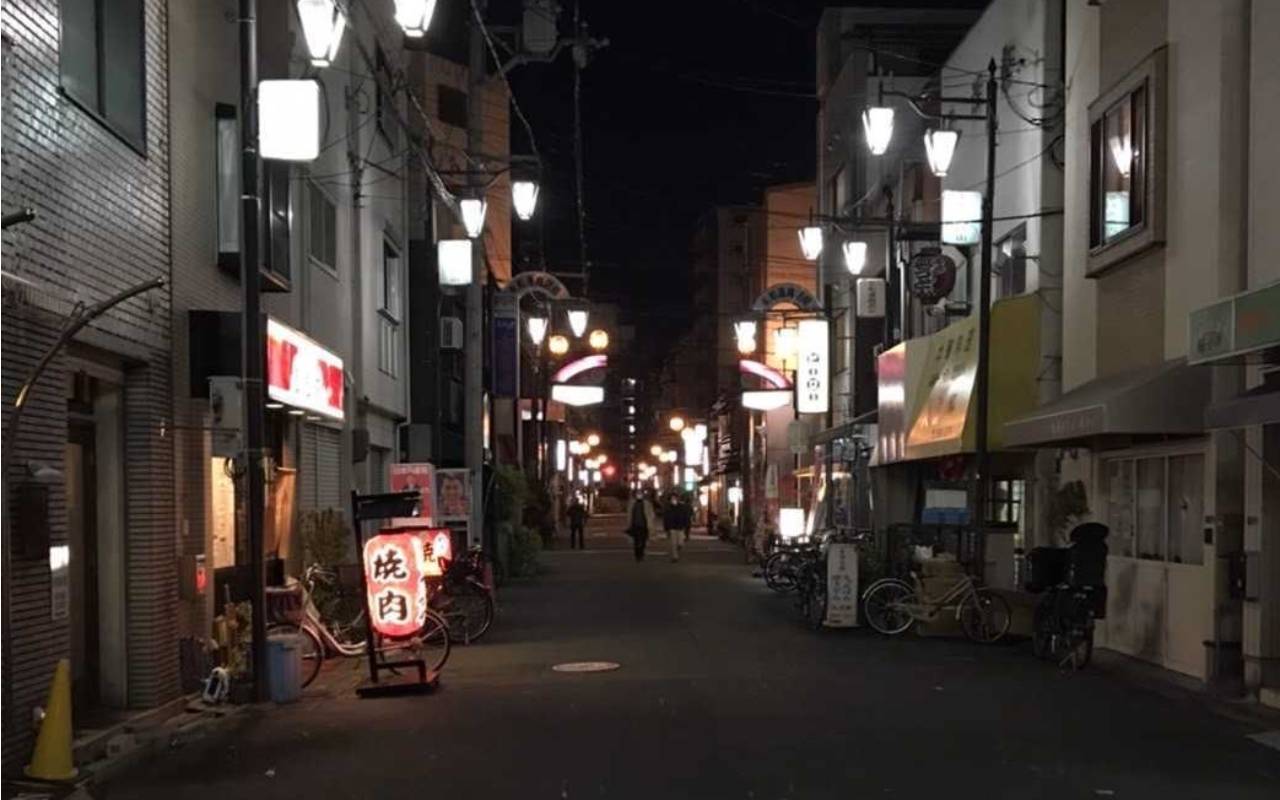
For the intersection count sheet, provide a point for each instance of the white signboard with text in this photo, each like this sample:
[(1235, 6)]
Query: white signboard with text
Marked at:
[(813, 380), (842, 586)]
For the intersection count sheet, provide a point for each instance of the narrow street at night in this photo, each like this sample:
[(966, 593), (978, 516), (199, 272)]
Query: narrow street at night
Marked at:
[(720, 693)]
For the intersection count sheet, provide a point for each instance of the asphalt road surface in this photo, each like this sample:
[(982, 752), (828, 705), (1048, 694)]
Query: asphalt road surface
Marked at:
[(720, 693)]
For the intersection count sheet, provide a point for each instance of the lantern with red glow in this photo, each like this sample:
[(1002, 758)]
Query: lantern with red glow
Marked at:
[(394, 567), (441, 548)]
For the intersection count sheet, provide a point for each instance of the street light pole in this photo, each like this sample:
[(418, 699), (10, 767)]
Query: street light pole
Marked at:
[(473, 415), (252, 353), (982, 456)]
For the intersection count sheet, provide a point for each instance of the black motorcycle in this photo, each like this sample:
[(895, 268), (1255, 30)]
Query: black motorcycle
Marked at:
[(1072, 582)]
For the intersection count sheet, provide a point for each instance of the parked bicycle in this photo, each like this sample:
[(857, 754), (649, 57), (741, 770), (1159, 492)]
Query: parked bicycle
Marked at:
[(462, 596), (810, 571), (780, 568), (892, 605), (340, 628), (1073, 582)]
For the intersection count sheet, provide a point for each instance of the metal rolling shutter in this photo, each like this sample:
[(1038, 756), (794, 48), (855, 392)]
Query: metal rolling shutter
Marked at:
[(320, 468)]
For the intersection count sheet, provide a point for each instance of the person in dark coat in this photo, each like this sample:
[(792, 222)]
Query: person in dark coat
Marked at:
[(577, 514), (642, 519)]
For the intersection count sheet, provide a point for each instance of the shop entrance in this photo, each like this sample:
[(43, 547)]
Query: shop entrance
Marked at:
[(95, 534)]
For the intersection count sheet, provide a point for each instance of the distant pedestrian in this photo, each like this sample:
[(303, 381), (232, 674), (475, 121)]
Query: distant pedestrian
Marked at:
[(642, 519), (673, 524), (577, 514), (686, 515)]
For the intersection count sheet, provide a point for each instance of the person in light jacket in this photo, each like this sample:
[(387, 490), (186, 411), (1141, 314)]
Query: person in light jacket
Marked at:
[(642, 520)]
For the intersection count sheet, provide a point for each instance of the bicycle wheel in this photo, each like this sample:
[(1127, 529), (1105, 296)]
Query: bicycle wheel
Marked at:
[(431, 644), (312, 649), (886, 607), (1075, 648), (985, 616), (778, 574), (467, 609)]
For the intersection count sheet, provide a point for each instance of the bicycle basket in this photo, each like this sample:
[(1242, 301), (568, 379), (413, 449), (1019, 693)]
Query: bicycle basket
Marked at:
[(284, 604)]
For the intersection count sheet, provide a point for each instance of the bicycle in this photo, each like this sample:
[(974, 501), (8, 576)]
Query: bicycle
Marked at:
[(892, 605), (780, 568), (344, 631), (461, 596)]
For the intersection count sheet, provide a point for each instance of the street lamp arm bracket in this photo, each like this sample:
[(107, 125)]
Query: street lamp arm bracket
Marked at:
[(914, 103)]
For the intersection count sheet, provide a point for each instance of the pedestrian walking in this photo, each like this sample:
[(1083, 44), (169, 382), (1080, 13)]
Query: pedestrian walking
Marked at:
[(673, 524), (642, 519), (577, 514), (686, 515)]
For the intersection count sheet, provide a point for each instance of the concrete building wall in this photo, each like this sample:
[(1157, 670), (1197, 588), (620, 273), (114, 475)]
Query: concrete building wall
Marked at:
[(101, 225)]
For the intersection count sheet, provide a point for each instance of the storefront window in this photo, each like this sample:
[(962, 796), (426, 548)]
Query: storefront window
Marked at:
[(1186, 509), (1005, 507), (1151, 508), (1155, 508)]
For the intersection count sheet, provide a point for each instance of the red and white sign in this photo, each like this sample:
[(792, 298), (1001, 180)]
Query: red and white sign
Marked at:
[(301, 373), (394, 567), (441, 547), (420, 478)]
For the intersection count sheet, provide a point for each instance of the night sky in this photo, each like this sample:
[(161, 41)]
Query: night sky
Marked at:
[(692, 104)]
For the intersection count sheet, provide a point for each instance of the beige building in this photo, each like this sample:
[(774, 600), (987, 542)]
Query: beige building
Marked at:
[(1169, 266)]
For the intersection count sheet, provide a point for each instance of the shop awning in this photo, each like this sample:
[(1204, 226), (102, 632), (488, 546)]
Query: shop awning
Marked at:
[(1166, 399), (1258, 406)]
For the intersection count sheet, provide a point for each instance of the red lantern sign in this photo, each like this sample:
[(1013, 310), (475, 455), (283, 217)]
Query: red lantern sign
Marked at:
[(394, 568), (441, 547)]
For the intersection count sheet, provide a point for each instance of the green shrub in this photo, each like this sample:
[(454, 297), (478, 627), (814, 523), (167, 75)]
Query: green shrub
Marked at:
[(526, 543)]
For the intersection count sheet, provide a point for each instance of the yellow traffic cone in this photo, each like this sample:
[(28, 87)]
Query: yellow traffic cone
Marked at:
[(51, 760)]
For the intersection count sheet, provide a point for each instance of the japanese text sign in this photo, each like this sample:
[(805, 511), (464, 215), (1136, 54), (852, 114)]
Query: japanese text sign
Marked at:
[(394, 567)]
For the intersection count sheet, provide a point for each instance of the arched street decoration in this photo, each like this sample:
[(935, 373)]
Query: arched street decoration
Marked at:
[(792, 293), (764, 372), (544, 284), (575, 368)]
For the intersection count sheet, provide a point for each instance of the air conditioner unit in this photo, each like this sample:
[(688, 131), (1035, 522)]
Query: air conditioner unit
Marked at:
[(450, 333)]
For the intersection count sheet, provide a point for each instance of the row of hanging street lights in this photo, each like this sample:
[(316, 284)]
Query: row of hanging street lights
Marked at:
[(323, 24)]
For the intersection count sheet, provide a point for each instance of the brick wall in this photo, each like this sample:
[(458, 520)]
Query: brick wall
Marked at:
[(102, 225)]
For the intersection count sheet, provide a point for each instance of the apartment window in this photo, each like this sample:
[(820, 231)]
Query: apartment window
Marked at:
[(102, 64), (323, 238), (389, 310), (1126, 139), (1155, 507), (451, 106), (386, 109), (1011, 263), (275, 221)]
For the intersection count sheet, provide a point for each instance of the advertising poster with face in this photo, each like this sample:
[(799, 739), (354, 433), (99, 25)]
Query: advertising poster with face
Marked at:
[(453, 495), (419, 478)]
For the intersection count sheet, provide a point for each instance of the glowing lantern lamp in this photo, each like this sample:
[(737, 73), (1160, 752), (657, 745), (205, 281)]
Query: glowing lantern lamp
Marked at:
[(537, 329), (289, 120), (877, 124), (598, 340), (855, 257), (745, 333), (790, 522), (441, 551), (454, 258), (394, 566), (322, 26), (940, 146), (558, 345), (577, 321), (594, 440), (472, 210), (524, 196), (414, 16), (811, 242)]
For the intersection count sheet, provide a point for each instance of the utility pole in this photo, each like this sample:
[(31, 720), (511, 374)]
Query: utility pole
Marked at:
[(473, 443), (253, 353), (982, 457)]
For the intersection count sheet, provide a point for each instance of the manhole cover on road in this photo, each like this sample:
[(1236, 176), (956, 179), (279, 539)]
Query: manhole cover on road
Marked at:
[(586, 666)]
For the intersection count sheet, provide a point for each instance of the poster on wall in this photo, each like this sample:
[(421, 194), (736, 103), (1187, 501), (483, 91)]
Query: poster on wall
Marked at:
[(410, 477), (453, 495)]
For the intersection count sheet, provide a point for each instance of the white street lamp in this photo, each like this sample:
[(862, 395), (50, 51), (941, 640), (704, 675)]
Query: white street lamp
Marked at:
[(877, 124), (537, 329), (677, 423), (940, 146), (415, 16), (472, 215), (855, 257), (744, 331), (811, 242), (524, 196), (558, 345), (322, 26), (577, 321), (599, 339)]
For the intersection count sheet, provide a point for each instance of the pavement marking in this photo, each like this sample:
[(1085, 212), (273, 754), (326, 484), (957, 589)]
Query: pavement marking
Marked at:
[(586, 666), (1267, 739)]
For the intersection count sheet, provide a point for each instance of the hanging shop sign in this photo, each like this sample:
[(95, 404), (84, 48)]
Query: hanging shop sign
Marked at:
[(506, 345), (871, 298), (439, 542), (813, 379), (931, 275), (962, 217), (792, 293), (301, 373), (578, 366), (414, 477), (394, 566), (764, 372)]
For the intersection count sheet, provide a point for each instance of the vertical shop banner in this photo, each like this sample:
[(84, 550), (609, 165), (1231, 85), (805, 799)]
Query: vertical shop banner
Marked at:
[(506, 345), (842, 586), (813, 378), (453, 495), (394, 568), (415, 477)]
